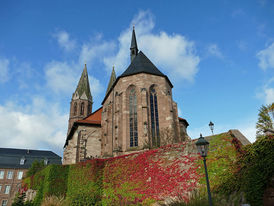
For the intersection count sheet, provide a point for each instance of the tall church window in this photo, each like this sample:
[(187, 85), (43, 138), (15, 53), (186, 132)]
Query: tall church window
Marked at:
[(75, 109), (82, 108), (133, 127), (155, 134)]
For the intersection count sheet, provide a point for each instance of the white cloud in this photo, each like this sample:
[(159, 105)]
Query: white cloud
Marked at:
[(4, 69), (266, 93), (61, 76), (64, 40), (269, 95), (95, 50), (174, 54), (214, 50), (37, 126), (266, 57)]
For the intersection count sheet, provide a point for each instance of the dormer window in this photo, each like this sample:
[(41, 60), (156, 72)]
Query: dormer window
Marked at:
[(46, 161), (22, 161)]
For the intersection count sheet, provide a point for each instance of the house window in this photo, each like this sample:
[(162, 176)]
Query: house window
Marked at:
[(22, 161), (133, 127), (0, 188), (2, 172), (46, 161), (4, 202), (155, 134), (75, 109), (10, 175), (7, 189), (82, 108), (19, 175)]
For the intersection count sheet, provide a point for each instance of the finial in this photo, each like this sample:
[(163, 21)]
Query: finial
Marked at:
[(133, 26)]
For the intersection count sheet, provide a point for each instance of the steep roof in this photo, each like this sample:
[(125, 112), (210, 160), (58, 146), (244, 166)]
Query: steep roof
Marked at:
[(112, 80), (94, 119), (141, 64), (133, 40), (83, 85), (10, 158)]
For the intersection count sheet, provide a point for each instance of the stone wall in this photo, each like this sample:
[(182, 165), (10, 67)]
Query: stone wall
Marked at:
[(84, 144), (115, 115)]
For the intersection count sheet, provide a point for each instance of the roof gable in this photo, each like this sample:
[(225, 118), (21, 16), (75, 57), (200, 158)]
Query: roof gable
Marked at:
[(141, 64)]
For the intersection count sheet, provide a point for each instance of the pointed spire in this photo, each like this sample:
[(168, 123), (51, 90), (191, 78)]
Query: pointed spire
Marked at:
[(112, 79), (133, 46), (83, 89)]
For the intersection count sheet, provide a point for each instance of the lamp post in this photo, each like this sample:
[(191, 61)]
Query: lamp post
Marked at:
[(202, 146), (211, 126)]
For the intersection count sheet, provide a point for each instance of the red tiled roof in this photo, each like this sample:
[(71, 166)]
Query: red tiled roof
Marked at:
[(94, 118)]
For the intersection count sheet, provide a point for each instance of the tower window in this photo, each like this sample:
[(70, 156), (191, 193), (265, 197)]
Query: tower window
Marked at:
[(155, 134), (133, 126), (75, 109), (82, 108)]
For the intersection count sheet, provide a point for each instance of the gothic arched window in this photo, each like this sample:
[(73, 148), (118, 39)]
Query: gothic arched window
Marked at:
[(75, 109), (133, 127), (82, 108), (155, 134)]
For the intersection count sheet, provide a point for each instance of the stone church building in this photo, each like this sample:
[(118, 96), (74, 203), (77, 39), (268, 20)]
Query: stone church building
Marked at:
[(137, 113)]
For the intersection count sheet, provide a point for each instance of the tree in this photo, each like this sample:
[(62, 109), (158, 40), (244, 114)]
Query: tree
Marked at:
[(35, 167), (265, 120)]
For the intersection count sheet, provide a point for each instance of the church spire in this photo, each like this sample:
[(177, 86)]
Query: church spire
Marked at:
[(133, 46), (83, 89), (112, 79)]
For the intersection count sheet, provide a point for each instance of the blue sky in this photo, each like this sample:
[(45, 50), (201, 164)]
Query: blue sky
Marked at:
[(219, 55)]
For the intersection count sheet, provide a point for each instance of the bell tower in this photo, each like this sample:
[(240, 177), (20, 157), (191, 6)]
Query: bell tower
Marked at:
[(81, 101)]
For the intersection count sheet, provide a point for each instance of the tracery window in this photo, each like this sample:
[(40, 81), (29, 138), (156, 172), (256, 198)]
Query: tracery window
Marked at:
[(75, 109), (155, 134), (82, 108), (133, 127)]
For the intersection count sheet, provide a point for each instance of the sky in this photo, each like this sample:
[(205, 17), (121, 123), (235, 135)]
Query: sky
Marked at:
[(219, 55)]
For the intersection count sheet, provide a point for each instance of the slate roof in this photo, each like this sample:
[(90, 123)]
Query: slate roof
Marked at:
[(10, 158), (133, 40), (141, 64), (112, 80), (83, 85)]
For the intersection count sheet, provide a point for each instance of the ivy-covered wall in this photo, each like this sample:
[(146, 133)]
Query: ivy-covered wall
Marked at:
[(173, 171)]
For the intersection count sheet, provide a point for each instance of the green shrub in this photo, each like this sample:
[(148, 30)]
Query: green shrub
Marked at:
[(252, 171), (35, 167)]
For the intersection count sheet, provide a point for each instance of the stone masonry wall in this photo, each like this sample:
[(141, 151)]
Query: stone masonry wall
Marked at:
[(115, 115)]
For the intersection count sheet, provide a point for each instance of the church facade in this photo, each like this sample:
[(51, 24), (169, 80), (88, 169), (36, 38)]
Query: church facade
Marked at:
[(137, 113)]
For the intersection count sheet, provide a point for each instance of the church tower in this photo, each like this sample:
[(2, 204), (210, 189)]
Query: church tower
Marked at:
[(81, 102), (133, 46)]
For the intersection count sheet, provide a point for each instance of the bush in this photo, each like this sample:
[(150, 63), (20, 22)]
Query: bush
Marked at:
[(35, 167), (252, 171)]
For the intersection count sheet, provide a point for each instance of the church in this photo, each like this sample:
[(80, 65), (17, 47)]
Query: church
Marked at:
[(137, 113)]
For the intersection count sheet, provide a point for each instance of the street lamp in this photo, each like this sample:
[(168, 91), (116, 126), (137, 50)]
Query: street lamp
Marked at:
[(211, 126), (202, 146)]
